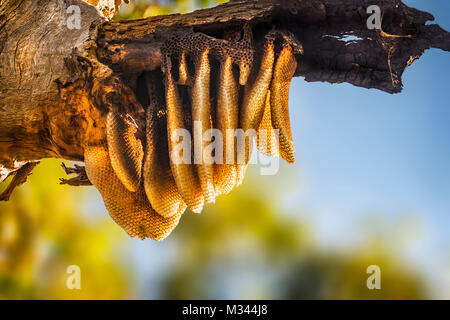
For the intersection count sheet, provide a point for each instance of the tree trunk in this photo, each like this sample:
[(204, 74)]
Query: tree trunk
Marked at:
[(57, 84)]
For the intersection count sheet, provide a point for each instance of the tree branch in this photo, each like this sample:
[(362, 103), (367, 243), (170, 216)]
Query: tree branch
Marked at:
[(56, 84), (371, 59), (19, 177)]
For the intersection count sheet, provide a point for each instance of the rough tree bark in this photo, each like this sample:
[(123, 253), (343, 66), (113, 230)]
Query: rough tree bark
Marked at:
[(56, 84)]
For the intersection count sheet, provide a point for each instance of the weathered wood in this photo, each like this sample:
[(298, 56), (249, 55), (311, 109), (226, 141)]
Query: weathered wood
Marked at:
[(373, 59), (37, 118), (56, 84), (19, 177)]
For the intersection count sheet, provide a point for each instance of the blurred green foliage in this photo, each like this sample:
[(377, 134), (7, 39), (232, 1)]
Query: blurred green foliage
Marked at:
[(245, 247), (139, 9), (242, 247), (43, 231)]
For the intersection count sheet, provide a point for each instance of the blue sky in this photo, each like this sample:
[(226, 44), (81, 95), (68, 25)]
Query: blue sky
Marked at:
[(363, 151)]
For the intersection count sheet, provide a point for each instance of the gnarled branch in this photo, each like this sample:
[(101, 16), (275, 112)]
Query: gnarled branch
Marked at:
[(57, 84)]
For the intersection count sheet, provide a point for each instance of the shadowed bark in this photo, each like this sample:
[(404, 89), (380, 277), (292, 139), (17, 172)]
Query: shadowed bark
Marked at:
[(57, 84)]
